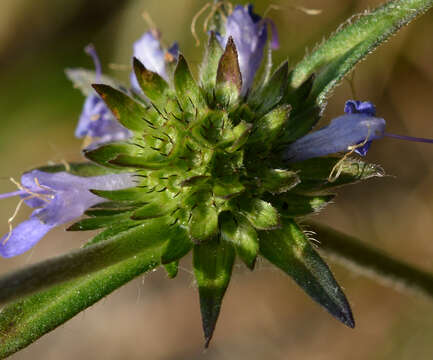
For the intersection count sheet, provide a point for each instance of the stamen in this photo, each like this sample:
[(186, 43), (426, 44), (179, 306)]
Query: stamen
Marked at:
[(148, 19), (215, 8), (91, 51), (43, 197), (409, 138), (307, 11)]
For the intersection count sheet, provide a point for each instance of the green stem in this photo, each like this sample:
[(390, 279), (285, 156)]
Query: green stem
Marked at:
[(372, 262)]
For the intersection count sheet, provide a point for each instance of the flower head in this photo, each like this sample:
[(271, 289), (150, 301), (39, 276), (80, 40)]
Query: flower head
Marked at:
[(249, 32), (58, 198)]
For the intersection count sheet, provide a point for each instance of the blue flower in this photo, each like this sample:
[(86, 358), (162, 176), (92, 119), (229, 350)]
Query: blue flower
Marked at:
[(249, 32), (96, 121), (149, 51), (351, 132), (58, 198)]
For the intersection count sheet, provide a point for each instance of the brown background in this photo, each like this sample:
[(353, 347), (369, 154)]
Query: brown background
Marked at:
[(264, 316)]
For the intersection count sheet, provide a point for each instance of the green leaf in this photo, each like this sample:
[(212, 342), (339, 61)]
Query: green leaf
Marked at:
[(332, 60), (129, 112), (290, 250), (227, 187), (175, 249), (315, 173), (99, 222), (297, 97), (146, 236), (213, 263), (25, 321), (187, 90), (260, 214), (229, 77), (238, 136), (209, 67), (268, 96), (243, 236), (152, 84), (83, 80)]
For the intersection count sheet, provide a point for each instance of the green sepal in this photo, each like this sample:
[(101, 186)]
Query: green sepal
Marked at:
[(99, 222), (268, 96), (243, 236), (129, 112), (130, 194), (159, 204), (209, 67), (261, 214), (229, 77), (105, 153), (290, 250), (151, 160), (172, 269), (315, 173), (188, 92), (153, 85), (293, 205), (268, 128), (213, 263), (277, 181), (203, 222)]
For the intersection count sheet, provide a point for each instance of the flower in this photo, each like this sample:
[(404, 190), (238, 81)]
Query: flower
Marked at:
[(149, 51), (58, 198), (96, 120), (351, 132), (249, 32)]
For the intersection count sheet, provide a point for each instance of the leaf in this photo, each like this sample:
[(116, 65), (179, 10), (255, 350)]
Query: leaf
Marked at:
[(213, 263), (25, 321), (105, 153), (187, 90), (129, 112), (99, 222), (84, 169), (152, 84), (332, 60), (242, 235), (83, 80), (203, 223), (290, 250)]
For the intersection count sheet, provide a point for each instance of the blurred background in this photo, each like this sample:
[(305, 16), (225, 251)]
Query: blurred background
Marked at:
[(264, 315)]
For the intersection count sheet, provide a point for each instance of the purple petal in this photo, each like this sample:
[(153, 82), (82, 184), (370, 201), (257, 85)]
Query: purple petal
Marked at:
[(23, 237), (360, 107), (97, 121), (91, 51), (148, 50), (250, 35), (342, 133)]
